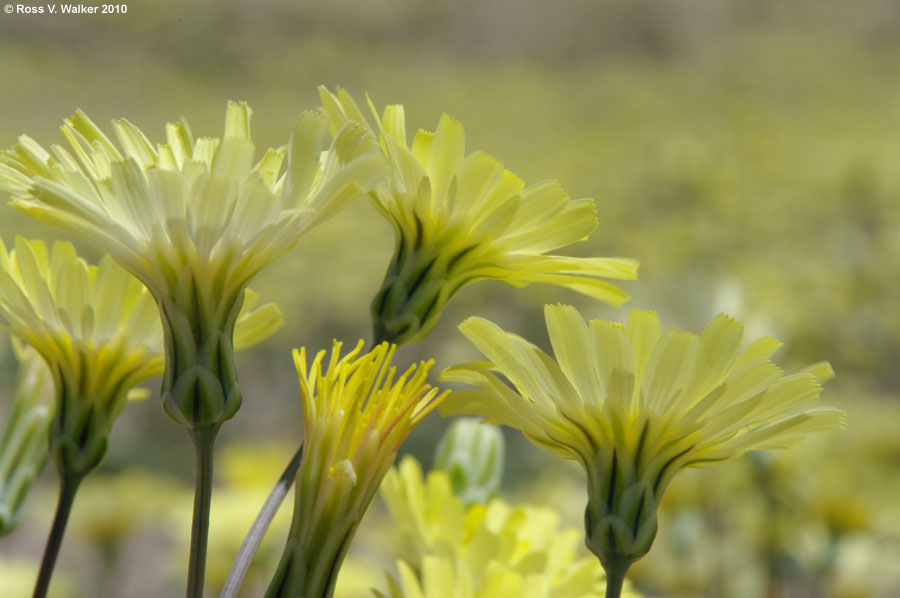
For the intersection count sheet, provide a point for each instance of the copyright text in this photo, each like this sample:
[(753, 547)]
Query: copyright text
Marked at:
[(66, 9)]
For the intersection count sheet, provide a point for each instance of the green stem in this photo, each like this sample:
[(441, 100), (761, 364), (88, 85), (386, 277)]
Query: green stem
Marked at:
[(615, 577), (204, 438), (260, 526), (68, 486)]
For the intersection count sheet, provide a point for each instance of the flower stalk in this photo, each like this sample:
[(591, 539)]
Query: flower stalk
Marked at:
[(79, 433), (68, 486), (260, 525), (204, 441)]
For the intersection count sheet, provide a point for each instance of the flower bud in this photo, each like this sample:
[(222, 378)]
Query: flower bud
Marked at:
[(472, 454)]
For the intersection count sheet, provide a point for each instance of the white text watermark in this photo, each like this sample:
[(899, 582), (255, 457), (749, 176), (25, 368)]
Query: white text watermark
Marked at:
[(65, 9)]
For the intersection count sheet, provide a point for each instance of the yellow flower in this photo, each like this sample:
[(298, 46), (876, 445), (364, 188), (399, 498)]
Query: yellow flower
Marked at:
[(463, 217), (23, 436), (483, 550), (98, 329), (634, 407), (194, 221), (356, 412)]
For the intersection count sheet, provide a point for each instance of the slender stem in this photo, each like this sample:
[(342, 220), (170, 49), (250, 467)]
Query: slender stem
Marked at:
[(68, 486), (204, 438), (615, 577), (259, 527)]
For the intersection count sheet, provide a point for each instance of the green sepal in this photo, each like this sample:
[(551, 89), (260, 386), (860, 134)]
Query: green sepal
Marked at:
[(79, 431), (200, 387), (620, 518)]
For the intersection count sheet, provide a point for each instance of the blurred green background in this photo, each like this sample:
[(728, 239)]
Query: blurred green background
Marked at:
[(748, 153)]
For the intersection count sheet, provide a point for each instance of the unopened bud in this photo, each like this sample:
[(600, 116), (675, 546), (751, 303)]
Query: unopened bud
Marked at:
[(472, 453)]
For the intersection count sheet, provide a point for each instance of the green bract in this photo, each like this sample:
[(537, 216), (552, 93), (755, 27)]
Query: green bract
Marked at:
[(463, 217)]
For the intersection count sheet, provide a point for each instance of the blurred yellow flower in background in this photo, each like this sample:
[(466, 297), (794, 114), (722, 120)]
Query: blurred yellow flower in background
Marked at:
[(482, 550), (634, 407), (356, 412), (463, 217)]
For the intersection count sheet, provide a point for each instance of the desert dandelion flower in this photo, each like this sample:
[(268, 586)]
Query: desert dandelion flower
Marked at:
[(356, 412), (463, 217), (93, 327), (98, 330), (194, 221), (635, 406)]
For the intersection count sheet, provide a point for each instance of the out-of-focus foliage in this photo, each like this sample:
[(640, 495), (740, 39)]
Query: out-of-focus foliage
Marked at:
[(745, 152)]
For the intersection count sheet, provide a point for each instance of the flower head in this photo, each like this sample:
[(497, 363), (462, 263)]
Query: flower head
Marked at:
[(186, 206), (356, 412), (95, 326), (463, 217), (634, 406), (98, 329), (194, 220)]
